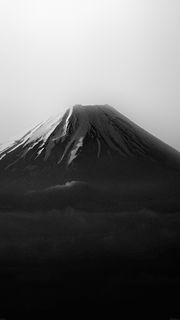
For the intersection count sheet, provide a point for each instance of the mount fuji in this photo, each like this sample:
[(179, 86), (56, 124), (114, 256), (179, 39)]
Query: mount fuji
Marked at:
[(93, 143), (89, 211)]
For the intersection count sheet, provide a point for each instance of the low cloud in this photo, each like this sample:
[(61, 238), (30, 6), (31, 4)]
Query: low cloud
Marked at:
[(76, 194), (91, 198)]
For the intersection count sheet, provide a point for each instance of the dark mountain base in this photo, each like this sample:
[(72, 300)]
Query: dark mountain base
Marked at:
[(72, 260), (107, 171)]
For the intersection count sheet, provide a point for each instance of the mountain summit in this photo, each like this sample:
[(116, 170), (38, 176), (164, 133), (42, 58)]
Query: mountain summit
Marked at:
[(86, 143)]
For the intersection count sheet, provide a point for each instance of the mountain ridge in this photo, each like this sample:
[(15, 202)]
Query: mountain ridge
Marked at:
[(85, 143), (96, 120)]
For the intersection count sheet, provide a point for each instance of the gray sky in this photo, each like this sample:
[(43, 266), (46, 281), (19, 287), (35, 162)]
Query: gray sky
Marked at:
[(56, 53)]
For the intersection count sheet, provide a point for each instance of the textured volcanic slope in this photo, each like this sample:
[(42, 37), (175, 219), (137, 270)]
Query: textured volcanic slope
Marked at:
[(86, 143)]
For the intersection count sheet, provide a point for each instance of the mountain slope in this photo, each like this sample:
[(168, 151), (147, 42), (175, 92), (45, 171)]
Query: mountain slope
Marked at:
[(86, 143)]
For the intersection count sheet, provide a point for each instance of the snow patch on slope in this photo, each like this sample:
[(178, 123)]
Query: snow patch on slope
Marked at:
[(62, 128), (40, 133), (74, 151)]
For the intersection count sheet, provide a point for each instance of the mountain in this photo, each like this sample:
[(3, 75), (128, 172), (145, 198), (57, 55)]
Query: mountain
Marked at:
[(96, 144)]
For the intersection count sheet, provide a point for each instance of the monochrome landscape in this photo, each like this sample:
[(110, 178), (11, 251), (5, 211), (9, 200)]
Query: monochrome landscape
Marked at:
[(89, 212)]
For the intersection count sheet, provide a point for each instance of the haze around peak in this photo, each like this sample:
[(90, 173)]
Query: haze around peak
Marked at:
[(55, 54)]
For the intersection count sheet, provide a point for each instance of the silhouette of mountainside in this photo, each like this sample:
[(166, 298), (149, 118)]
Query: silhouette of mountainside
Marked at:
[(96, 144)]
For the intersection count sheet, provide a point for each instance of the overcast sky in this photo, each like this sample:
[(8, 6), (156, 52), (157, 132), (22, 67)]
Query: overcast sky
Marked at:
[(57, 53)]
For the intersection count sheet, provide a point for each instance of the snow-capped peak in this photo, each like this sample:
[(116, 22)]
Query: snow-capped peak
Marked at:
[(101, 124)]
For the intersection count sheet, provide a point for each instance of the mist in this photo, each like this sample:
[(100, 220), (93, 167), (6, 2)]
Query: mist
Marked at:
[(55, 54)]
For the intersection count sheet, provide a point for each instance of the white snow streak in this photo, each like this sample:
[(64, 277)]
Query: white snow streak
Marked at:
[(74, 151), (60, 134), (1, 157)]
